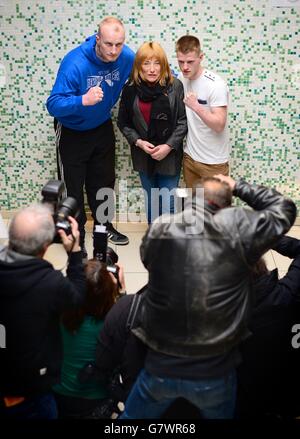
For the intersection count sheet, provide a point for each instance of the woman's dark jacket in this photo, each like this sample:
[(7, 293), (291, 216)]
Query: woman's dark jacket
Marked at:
[(133, 125)]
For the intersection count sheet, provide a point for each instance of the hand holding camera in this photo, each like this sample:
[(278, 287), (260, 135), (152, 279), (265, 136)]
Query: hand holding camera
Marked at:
[(117, 274)]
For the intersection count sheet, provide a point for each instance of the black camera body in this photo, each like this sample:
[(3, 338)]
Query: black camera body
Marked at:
[(53, 194), (103, 252)]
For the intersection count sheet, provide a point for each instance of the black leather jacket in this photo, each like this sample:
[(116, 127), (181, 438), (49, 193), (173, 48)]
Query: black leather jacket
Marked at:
[(199, 290)]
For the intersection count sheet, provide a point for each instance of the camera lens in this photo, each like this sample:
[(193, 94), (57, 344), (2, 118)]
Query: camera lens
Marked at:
[(52, 194), (67, 208)]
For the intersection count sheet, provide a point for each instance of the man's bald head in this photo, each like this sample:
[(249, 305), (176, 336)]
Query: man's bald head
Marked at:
[(31, 230), (114, 23)]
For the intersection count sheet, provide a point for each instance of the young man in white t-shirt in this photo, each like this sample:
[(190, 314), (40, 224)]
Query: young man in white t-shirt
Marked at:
[(206, 99)]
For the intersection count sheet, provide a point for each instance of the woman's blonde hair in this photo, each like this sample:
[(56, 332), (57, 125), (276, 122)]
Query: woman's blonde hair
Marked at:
[(150, 50)]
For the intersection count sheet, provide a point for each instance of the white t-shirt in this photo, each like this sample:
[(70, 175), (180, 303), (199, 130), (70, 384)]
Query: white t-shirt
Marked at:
[(203, 144)]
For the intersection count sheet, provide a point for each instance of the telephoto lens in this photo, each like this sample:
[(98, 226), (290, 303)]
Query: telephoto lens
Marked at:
[(53, 193)]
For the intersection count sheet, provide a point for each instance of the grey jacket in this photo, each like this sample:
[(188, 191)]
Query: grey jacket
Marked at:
[(132, 124)]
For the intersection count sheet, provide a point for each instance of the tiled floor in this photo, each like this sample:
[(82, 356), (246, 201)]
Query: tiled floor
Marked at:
[(135, 273)]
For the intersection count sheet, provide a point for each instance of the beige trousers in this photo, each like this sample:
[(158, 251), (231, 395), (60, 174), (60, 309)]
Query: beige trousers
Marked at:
[(193, 171)]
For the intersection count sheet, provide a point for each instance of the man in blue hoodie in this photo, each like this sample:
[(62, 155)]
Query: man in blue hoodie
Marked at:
[(88, 84)]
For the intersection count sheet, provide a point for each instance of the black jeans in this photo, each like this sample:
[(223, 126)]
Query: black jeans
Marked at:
[(86, 158)]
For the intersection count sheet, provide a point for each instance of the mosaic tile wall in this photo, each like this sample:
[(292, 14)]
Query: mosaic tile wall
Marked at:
[(253, 46)]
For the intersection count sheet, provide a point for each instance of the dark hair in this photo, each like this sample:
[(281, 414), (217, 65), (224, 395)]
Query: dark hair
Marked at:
[(101, 294), (216, 191)]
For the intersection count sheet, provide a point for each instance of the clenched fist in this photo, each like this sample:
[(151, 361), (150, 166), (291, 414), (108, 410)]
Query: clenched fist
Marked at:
[(93, 96)]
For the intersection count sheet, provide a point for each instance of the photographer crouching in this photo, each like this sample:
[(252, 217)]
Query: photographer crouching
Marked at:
[(32, 298)]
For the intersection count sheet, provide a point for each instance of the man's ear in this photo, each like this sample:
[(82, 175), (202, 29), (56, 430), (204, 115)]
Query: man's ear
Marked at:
[(201, 56)]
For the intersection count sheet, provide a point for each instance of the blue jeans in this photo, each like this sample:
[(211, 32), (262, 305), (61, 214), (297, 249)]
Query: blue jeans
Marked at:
[(164, 203), (39, 407), (152, 395)]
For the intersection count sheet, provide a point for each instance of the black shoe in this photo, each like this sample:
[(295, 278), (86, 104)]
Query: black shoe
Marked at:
[(116, 237)]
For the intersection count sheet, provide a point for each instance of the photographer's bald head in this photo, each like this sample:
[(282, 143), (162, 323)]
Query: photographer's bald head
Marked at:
[(32, 230)]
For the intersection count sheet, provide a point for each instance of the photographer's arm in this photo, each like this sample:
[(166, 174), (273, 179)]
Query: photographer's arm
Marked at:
[(259, 228), (288, 246)]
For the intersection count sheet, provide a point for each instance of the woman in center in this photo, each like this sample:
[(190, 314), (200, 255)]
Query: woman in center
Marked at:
[(152, 118)]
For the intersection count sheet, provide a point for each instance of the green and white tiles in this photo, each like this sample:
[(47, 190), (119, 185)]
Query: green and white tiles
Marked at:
[(255, 47)]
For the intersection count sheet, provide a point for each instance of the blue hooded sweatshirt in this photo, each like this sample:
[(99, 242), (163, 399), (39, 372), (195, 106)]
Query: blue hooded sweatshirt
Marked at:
[(79, 70)]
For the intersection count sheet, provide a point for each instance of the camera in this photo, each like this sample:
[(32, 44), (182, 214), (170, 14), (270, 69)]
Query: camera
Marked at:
[(104, 253), (53, 194)]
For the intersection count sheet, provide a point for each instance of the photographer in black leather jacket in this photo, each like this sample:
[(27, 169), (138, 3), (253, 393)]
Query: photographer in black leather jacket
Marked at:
[(199, 296)]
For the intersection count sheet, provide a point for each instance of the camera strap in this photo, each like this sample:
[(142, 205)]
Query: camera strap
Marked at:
[(133, 310)]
